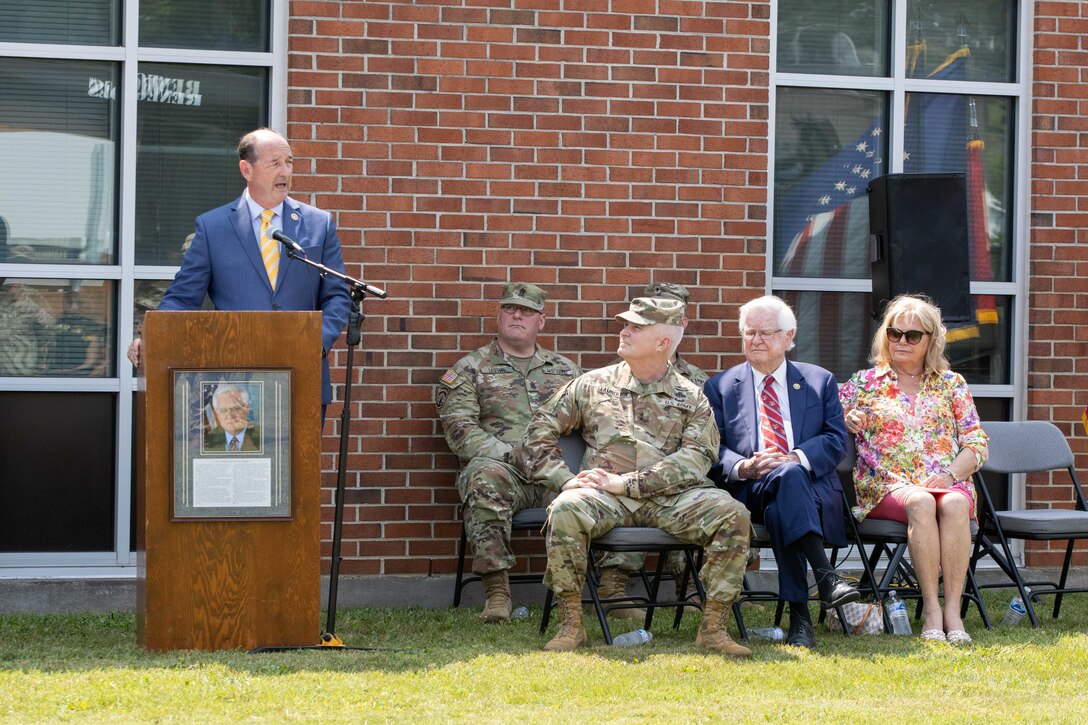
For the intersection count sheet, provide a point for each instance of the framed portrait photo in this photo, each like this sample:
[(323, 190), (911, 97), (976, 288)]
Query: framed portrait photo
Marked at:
[(232, 444)]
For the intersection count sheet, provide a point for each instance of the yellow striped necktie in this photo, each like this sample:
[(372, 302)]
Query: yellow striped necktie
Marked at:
[(270, 248)]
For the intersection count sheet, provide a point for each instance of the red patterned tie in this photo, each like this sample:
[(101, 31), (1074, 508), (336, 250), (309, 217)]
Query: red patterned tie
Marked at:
[(770, 417)]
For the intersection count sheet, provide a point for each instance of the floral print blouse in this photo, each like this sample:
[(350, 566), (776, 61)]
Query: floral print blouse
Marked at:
[(903, 443)]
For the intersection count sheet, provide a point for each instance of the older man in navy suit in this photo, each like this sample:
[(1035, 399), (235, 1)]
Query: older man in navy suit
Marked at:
[(234, 261), (782, 435)]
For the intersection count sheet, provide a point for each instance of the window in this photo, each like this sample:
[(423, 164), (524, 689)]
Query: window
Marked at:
[(59, 127), (118, 148), (845, 114), (74, 22)]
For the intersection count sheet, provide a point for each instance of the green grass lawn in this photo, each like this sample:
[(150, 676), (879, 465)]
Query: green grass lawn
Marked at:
[(88, 667)]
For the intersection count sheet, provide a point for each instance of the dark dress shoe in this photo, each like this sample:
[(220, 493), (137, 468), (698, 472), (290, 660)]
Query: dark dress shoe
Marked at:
[(835, 591), (801, 633)]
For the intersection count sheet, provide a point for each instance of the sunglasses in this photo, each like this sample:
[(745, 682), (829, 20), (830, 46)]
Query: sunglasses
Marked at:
[(913, 336)]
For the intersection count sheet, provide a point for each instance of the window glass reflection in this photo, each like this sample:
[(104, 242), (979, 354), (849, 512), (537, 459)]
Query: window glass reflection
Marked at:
[(72, 22), (148, 295), (205, 24), (829, 144), (982, 31), (56, 327), (837, 37), (835, 331), (186, 157), (59, 128)]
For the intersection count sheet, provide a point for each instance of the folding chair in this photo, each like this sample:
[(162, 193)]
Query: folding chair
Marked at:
[(1030, 446), (530, 519), (888, 541), (625, 539), (650, 540), (762, 540)]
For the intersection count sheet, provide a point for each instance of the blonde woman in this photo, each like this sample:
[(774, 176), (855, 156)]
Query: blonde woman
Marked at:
[(918, 442)]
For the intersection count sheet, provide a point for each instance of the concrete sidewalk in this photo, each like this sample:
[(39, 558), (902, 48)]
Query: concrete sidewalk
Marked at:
[(46, 596)]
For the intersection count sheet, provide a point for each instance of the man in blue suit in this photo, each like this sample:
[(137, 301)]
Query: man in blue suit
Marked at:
[(782, 435), (233, 260)]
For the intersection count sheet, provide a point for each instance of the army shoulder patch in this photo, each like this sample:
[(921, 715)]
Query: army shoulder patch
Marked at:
[(450, 377)]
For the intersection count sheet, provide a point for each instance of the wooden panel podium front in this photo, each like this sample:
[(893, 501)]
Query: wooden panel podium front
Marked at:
[(227, 581)]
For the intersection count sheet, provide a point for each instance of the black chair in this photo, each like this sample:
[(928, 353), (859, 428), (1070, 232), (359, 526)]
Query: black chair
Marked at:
[(762, 540), (627, 539), (1029, 447), (530, 519), (888, 542)]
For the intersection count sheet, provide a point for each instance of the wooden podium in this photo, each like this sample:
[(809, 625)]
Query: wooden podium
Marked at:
[(243, 577)]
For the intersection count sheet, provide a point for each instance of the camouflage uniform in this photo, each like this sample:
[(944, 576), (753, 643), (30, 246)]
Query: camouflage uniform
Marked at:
[(662, 436), (689, 371), (485, 403), (633, 560)]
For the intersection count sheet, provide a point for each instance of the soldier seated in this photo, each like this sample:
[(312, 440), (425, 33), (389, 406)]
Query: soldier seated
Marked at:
[(650, 439), (485, 401)]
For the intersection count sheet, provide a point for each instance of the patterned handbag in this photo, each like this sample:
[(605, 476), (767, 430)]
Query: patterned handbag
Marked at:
[(860, 617)]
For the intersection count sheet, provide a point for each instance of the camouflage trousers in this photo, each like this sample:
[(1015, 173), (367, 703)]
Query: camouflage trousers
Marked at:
[(493, 492), (708, 517)]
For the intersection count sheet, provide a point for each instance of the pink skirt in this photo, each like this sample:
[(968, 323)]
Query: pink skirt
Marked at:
[(891, 508)]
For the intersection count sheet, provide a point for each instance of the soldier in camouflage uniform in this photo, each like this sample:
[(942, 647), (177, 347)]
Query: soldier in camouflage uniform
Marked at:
[(650, 440), (485, 402), (616, 567), (678, 292)]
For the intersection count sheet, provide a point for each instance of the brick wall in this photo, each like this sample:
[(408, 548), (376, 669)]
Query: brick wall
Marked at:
[(584, 145), (591, 147), (1058, 347)]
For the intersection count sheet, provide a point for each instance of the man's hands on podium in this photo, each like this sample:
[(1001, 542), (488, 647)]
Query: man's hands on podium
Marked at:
[(134, 352)]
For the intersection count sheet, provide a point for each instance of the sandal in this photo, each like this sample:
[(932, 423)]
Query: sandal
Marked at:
[(959, 636), (934, 635)]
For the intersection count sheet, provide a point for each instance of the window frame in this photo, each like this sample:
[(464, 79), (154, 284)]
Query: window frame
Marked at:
[(898, 86), (129, 55)]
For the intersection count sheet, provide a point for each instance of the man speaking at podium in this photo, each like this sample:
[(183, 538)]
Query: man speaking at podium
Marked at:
[(234, 260)]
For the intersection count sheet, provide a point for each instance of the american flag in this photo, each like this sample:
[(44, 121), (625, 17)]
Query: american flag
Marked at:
[(825, 228)]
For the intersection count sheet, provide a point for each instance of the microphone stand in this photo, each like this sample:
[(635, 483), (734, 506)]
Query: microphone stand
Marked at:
[(358, 291)]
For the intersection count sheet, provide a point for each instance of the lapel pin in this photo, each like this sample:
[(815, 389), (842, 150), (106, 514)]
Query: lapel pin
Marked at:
[(294, 216), (797, 386)]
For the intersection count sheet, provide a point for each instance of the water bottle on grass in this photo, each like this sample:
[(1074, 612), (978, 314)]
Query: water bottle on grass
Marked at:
[(520, 613), (897, 615), (774, 634), (1016, 611), (630, 639)]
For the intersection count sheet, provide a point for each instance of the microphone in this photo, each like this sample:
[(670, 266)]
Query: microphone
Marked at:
[(294, 246), (279, 236)]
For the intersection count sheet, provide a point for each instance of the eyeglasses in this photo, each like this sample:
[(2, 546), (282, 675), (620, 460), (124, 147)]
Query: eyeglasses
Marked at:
[(761, 334), (511, 309), (913, 336), (233, 410)]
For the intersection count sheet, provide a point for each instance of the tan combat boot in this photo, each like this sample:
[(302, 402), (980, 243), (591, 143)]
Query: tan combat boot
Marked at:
[(497, 591), (614, 586), (712, 633), (571, 634)]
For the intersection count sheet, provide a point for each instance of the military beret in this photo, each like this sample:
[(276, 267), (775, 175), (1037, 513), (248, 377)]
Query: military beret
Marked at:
[(653, 310), (523, 294)]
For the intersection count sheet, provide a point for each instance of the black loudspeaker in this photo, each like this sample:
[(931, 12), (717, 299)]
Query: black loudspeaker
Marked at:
[(918, 237)]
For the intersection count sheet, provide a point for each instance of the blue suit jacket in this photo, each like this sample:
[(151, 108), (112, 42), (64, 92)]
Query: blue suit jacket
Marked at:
[(818, 429), (224, 263)]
